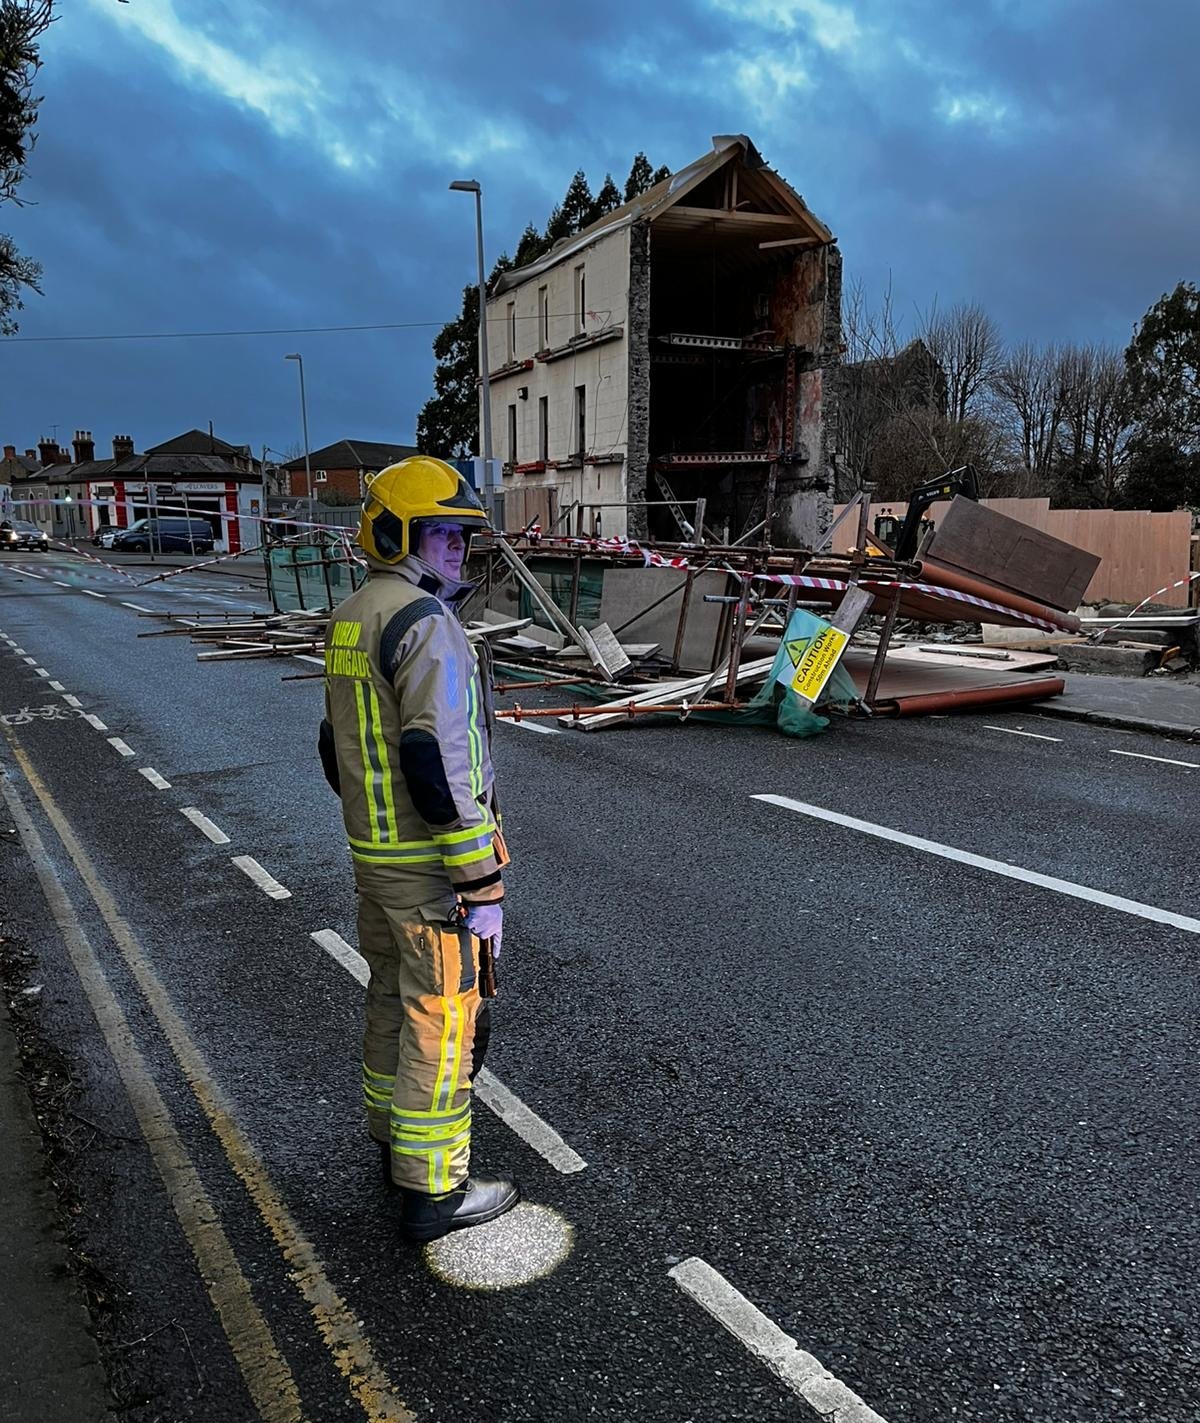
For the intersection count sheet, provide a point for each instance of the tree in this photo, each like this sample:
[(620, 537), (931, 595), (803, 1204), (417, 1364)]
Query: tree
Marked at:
[(577, 204), (608, 198), (1033, 388), (22, 24), (1163, 362), (965, 342), (641, 177)]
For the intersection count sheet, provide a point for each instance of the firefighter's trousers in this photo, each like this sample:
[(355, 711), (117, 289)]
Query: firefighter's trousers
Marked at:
[(425, 1038)]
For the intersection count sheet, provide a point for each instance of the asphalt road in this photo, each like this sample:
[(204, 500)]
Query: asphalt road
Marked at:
[(931, 1115)]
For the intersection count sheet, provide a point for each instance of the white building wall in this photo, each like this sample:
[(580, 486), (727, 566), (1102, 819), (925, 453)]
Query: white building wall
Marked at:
[(601, 369)]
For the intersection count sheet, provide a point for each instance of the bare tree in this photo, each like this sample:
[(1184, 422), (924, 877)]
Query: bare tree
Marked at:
[(965, 342), (1032, 385)]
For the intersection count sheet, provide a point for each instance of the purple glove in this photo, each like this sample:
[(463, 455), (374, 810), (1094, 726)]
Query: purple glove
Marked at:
[(486, 921)]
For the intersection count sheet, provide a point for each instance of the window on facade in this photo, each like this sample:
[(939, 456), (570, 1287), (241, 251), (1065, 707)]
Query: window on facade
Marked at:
[(511, 327), (512, 434), (580, 420), (580, 300), (544, 318), (544, 428), (320, 476)]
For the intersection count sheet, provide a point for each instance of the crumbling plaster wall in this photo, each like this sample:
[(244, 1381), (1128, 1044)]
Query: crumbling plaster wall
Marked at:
[(811, 308), (637, 456)]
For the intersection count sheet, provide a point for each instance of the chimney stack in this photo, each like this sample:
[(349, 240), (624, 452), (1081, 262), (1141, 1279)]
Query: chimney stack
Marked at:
[(85, 446), (31, 454), (10, 452), (122, 447), (47, 452)]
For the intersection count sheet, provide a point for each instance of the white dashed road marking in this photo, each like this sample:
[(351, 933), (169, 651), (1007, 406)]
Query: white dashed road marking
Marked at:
[(58, 686), (94, 721), (41, 672), (92, 594), (118, 745), (1012, 731), (202, 823), (137, 607), (70, 700), (806, 1376), (267, 883), (154, 778), (1165, 760), (489, 1089), (58, 583), (30, 660), (996, 867)]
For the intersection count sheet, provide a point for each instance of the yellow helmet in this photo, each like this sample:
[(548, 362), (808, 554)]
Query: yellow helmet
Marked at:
[(415, 489)]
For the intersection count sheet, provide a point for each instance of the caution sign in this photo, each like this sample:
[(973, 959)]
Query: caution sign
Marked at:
[(815, 664)]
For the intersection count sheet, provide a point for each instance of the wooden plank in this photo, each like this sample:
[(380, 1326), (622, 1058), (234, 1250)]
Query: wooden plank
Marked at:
[(1012, 555)]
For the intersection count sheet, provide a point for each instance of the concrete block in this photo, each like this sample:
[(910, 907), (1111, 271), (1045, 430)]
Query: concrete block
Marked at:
[(1152, 637), (1108, 661)]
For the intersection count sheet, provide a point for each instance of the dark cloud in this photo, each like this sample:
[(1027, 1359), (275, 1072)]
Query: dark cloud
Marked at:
[(262, 165)]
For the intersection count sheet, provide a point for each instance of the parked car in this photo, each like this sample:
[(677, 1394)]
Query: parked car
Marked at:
[(103, 537), (20, 533), (166, 536)]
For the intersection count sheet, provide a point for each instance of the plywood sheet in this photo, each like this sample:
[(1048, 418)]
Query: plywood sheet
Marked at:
[(628, 590), (1012, 555)]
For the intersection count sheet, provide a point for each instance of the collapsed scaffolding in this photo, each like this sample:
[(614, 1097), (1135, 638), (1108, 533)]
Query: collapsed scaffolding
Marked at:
[(636, 630)]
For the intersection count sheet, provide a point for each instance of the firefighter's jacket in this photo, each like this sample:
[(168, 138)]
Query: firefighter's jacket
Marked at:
[(406, 699)]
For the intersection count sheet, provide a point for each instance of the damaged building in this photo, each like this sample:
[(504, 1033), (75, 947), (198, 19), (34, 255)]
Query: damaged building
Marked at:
[(675, 350)]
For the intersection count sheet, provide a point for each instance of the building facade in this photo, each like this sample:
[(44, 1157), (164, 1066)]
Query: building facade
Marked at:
[(675, 350), (73, 498), (342, 469)]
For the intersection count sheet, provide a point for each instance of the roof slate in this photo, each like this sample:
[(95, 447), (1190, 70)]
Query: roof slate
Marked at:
[(197, 442), (354, 454)]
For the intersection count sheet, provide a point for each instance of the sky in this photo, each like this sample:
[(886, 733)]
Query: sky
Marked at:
[(249, 165)]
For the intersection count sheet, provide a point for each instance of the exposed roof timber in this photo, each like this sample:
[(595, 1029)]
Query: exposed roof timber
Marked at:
[(755, 181)]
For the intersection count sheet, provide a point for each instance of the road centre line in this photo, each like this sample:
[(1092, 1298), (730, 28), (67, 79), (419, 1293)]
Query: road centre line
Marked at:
[(154, 778), (805, 1375), (58, 687), (92, 594), (264, 1368), (267, 883), (489, 1089), (70, 700), (997, 867), (29, 660), (20, 651), (58, 583), (137, 607), (122, 746), (203, 824), (1164, 760), (41, 672), (94, 721), (1012, 731)]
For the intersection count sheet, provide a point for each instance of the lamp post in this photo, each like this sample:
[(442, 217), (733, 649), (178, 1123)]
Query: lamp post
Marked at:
[(308, 484), (470, 185)]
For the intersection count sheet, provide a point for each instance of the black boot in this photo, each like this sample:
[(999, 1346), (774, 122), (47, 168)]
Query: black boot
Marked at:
[(478, 1199), (385, 1165)]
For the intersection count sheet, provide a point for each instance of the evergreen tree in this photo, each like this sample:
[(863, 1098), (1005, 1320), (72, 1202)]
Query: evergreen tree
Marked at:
[(577, 203), (659, 174), (1163, 363), (608, 198), (641, 177)]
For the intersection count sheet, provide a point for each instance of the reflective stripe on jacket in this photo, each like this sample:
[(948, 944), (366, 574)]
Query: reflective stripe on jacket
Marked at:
[(406, 700)]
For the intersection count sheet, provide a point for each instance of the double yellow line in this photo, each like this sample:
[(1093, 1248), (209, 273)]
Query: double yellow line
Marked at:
[(266, 1372)]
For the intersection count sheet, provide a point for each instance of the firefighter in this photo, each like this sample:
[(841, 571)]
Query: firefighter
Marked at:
[(406, 745)]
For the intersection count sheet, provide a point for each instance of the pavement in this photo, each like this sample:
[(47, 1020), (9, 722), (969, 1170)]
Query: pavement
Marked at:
[(50, 1368), (881, 1088), (1163, 706)]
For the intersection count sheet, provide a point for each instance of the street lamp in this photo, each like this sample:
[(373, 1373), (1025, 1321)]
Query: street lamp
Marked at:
[(470, 185), (308, 484)]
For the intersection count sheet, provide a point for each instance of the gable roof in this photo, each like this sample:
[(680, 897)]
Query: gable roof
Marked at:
[(655, 202), (354, 454), (197, 442)]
